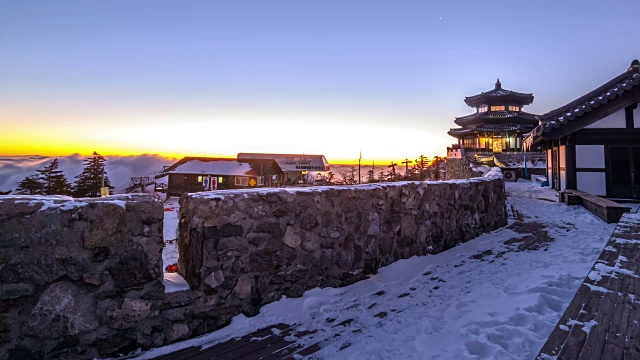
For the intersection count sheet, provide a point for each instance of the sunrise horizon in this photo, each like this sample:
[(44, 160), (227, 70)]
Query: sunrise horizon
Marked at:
[(383, 80), (174, 157)]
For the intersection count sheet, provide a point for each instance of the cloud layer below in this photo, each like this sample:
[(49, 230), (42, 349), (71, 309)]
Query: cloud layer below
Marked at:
[(120, 169)]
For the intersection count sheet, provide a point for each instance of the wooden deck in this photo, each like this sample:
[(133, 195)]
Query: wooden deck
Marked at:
[(603, 319), (275, 342)]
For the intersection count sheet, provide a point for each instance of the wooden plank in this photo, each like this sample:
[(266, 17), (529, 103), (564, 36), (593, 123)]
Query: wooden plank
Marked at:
[(558, 337), (632, 333), (614, 347), (605, 316), (569, 344), (632, 341), (282, 348), (575, 342), (233, 344), (260, 352), (582, 301), (182, 354), (251, 346), (292, 348), (617, 332)]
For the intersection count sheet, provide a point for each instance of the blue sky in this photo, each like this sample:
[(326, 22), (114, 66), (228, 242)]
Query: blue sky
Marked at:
[(332, 77)]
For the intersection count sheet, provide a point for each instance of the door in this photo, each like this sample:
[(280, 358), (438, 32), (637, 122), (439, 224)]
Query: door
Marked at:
[(555, 169), (624, 172), (497, 145)]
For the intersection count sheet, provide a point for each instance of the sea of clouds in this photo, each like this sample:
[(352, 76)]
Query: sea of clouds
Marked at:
[(119, 169)]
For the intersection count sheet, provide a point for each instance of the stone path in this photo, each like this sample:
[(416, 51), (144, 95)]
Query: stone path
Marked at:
[(602, 320)]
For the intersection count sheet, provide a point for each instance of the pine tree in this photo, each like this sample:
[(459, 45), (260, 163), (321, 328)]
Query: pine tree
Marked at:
[(371, 176), (53, 180), (436, 167), (5, 192), (422, 165), (89, 182), (391, 174), (31, 185)]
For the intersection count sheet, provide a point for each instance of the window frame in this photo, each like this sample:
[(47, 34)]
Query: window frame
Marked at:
[(241, 181)]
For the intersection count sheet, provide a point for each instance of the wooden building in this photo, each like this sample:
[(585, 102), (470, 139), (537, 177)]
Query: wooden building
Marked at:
[(496, 127), (294, 165), (592, 144), (194, 174)]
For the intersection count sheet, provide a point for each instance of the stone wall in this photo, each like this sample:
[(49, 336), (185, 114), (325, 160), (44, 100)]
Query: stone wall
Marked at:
[(248, 248), (82, 278), (460, 169), (74, 274)]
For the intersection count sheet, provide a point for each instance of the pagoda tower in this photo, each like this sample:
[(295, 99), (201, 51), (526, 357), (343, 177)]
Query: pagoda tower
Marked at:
[(497, 125)]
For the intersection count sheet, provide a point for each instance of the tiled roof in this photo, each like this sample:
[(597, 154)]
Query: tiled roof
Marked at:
[(511, 116), (493, 128), (498, 93), (576, 109)]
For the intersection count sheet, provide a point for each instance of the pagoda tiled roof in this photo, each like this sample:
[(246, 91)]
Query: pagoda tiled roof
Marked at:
[(517, 117), (498, 94), (489, 128), (574, 112)]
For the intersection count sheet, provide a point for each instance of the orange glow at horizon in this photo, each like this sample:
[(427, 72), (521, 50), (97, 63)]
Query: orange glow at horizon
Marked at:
[(340, 142)]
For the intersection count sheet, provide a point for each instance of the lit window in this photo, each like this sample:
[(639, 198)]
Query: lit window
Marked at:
[(483, 108), (199, 179), (498, 108), (514, 108), (242, 181)]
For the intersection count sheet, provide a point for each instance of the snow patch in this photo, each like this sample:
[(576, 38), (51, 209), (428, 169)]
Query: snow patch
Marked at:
[(174, 282)]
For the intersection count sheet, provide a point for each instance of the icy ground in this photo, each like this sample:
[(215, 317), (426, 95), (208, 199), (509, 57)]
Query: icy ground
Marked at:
[(498, 296)]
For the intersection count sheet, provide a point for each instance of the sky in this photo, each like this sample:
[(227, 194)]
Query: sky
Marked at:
[(385, 78), (489, 298)]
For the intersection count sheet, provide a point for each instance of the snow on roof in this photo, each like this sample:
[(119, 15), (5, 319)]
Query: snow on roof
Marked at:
[(291, 162), (214, 167)]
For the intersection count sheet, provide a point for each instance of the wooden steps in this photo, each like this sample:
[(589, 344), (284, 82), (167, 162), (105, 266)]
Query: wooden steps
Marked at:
[(603, 319)]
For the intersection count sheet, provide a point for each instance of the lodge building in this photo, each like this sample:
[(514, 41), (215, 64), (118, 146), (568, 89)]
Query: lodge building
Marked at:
[(195, 174), (496, 127), (592, 144), (295, 166)]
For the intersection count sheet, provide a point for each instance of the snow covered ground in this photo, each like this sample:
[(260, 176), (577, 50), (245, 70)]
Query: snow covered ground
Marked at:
[(170, 229), (495, 297)]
